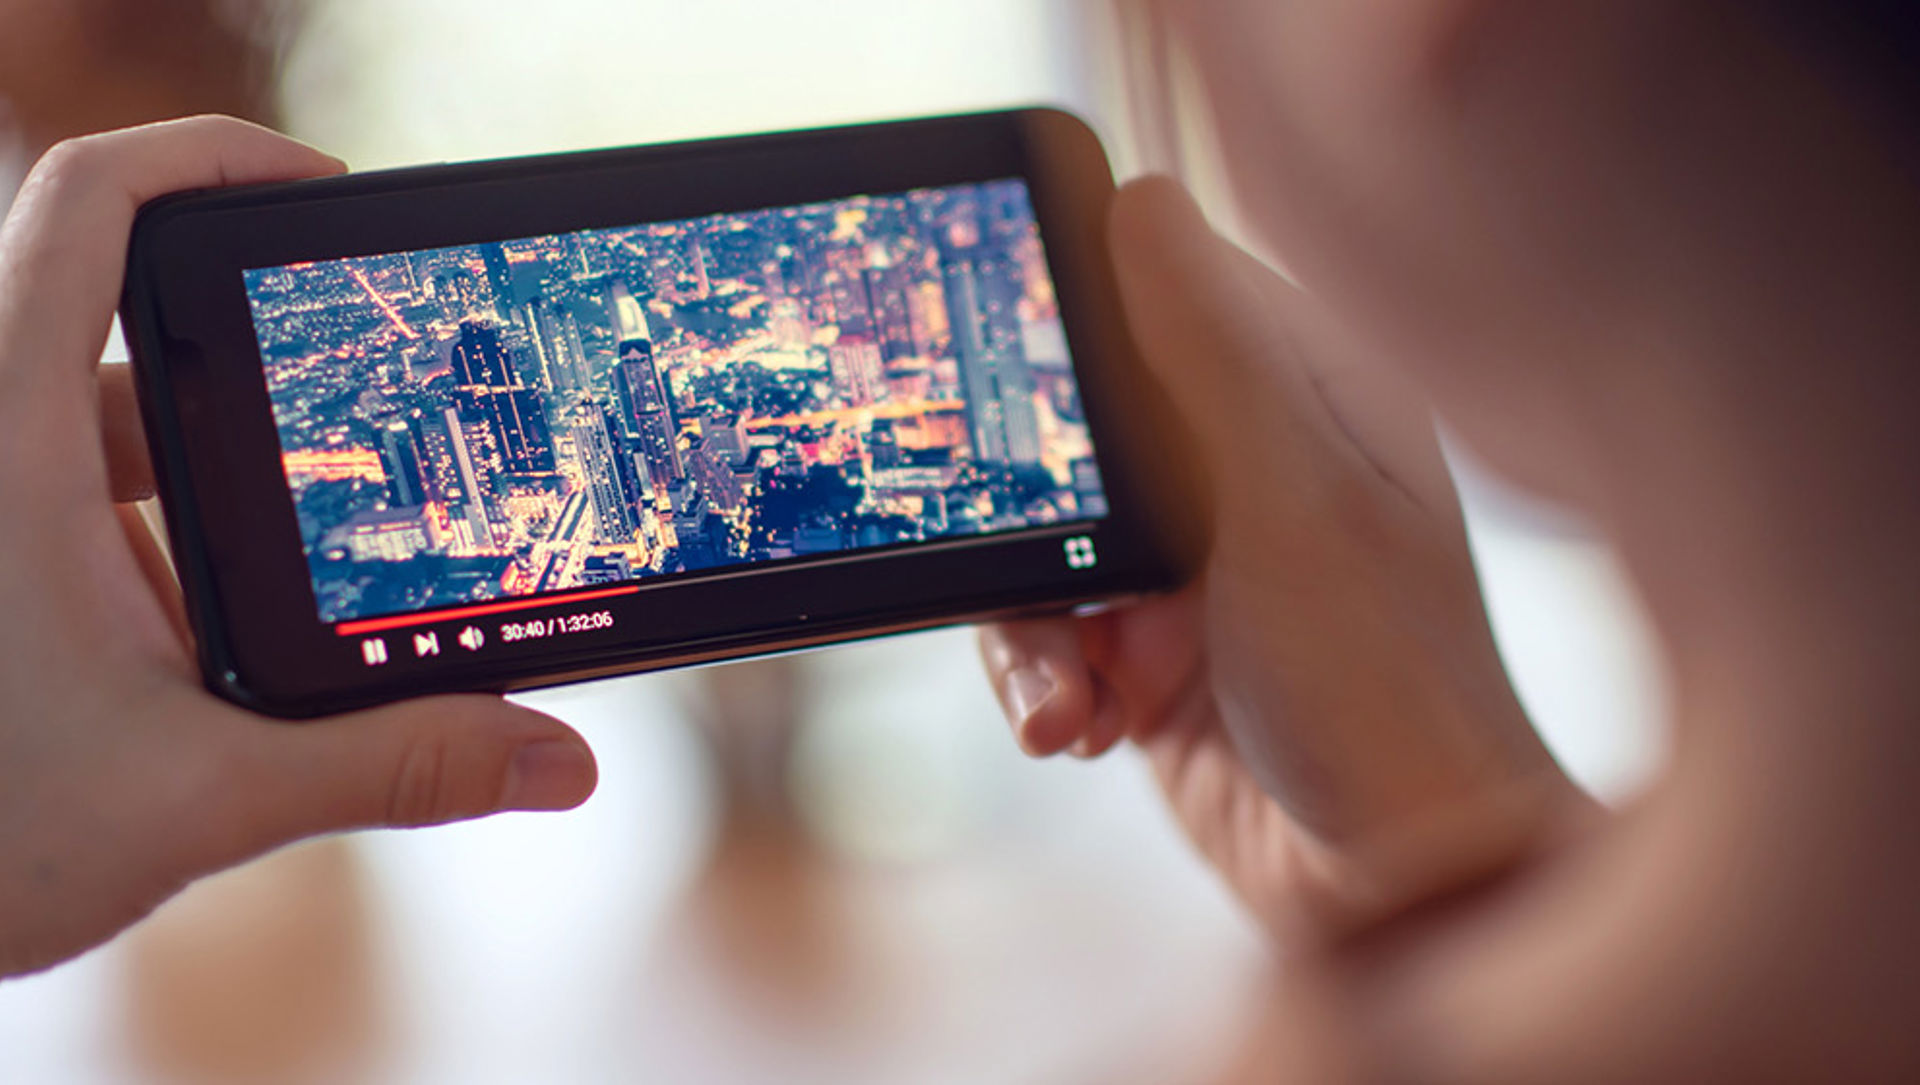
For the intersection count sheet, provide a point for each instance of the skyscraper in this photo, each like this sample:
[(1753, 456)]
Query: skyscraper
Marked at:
[(646, 413), (977, 375), (702, 274), (400, 457), (629, 316), (613, 516), (1002, 285), (479, 360), (492, 395), (472, 497), (570, 353), (983, 303), (499, 278), (519, 424), (629, 467), (727, 434), (539, 367), (714, 474), (559, 365)]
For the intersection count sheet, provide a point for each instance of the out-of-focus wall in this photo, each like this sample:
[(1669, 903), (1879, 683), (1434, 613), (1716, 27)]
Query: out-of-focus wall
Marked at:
[(387, 84)]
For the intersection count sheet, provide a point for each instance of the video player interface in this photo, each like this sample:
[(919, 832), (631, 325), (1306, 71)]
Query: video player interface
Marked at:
[(554, 414)]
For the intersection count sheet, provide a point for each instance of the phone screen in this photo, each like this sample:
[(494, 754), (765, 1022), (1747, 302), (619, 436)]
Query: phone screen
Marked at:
[(469, 426)]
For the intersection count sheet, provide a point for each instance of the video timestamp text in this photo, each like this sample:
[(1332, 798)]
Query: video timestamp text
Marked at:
[(566, 625)]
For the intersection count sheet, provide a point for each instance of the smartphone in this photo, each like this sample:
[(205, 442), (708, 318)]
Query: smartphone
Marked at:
[(512, 424)]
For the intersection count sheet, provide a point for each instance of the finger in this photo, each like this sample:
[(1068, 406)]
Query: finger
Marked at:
[(63, 248), (1149, 658), (1114, 709), (1107, 727), (1041, 678), (422, 763), (129, 471)]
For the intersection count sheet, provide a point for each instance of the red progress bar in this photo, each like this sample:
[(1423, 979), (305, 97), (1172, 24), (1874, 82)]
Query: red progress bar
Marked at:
[(406, 621)]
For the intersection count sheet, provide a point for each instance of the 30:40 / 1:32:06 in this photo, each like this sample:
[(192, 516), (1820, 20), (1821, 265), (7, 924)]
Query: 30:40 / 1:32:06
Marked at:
[(540, 628)]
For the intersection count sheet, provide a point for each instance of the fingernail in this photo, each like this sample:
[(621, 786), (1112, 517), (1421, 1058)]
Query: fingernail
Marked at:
[(1083, 749), (1028, 691), (555, 775)]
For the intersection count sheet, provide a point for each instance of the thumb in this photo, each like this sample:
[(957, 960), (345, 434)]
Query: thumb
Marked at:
[(422, 763), (1209, 323), (1253, 364)]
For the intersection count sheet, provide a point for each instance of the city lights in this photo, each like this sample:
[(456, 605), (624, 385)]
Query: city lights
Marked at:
[(501, 420)]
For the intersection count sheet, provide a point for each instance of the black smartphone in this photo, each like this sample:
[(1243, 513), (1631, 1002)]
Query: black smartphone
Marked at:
[(512, 424)]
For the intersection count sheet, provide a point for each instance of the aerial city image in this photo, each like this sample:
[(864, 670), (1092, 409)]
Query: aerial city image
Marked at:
[(493, 421)]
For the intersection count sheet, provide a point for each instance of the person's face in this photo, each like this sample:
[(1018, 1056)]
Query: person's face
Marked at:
[(1544, 211)]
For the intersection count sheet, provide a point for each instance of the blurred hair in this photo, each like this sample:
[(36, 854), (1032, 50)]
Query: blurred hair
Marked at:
[(76, 66), (1874, 44)]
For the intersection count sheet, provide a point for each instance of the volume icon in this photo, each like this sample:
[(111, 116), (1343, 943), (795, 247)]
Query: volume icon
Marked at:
[(472, 639)]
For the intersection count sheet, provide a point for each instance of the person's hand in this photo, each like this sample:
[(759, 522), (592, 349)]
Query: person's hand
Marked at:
[(121, 778), (1655, 261), (1325, 705)]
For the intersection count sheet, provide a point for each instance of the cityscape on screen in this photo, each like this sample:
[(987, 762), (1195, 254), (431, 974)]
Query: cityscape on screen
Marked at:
[(500, 420)]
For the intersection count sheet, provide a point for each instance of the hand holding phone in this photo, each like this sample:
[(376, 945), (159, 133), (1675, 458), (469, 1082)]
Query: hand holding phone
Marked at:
[(1325, 706), (121, 778)]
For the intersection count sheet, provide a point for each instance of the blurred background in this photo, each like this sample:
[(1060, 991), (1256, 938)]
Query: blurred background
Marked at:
[(830, 869)]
